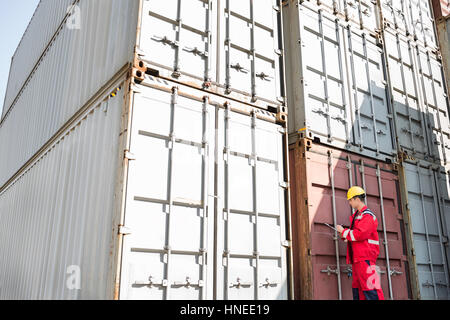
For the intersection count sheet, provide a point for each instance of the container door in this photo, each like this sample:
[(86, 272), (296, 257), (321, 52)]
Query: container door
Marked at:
[(165, 242), (325, 101), (250, 47), (330, 173), (176, 35), (435, 101), (427, 218), (405, 91), (362, 13), (395, 14), (372, 126), (422, 22), (251, 259)]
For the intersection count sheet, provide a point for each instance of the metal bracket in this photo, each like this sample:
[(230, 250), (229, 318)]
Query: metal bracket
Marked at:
[(394, 272), (264, 76), (329, 271), (187, 283), (165, 40), (239, 284), (268, 284), (124, 230), (151, 282), (129, 155), (239, 68), (195, 51), (286, 243)]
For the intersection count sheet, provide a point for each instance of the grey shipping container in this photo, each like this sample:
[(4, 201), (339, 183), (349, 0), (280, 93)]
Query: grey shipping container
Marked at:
[(226, 47), (419, 98), (336, 83), (426, 199), (162, 191)]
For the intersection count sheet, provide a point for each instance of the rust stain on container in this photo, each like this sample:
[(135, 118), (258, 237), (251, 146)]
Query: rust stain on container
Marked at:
[(315, 269)]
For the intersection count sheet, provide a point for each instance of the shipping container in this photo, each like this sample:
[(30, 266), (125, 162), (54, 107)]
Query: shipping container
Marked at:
[(48, 18), (419, 98), (234, 45), (58, 213), (77, 65), (426, 194), (441, 8), (320, 177), (163, 191), (232, 48), (362, 14), (336, 83), (412, 18)]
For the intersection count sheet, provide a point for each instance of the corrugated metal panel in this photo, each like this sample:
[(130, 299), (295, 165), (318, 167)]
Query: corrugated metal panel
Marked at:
[(363, 14), (436, 102), (337, 88), (45, 22), (420, 101), (428, 203), (320, 178), (77, 64), (411, 18), (58, 213), (205, 218), (234, 44)]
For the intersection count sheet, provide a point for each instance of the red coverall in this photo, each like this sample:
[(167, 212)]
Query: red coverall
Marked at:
[(362, 252)]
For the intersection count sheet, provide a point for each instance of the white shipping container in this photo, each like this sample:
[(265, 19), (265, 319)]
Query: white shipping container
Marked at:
[(58, 214), (185, 198), (363, 14), (228, 47), (412, 18), (47, 19), (74, 68)]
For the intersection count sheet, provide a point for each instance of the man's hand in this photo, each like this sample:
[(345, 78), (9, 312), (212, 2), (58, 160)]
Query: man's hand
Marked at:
[(339, 228)]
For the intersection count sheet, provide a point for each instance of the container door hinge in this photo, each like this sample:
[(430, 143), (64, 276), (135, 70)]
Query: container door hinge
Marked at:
[(129, 155), (284, 185), (286, 243), (124, 230)]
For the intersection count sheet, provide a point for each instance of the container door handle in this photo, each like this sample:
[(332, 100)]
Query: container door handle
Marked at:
[(189, 283), (239, 284), (264, 77), (329, 271), (239, 68), (151, 282), (196, 52), (164, 40), (267, 283)]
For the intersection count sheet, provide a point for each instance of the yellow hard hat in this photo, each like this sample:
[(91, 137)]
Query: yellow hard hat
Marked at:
[(355, 191)]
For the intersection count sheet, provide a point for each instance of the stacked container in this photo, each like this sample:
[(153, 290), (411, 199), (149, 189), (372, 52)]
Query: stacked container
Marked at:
[(365, 85), (143, 153), (421, 111)]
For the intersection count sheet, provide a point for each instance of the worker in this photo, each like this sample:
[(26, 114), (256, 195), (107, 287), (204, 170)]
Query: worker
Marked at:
[(362, 247)]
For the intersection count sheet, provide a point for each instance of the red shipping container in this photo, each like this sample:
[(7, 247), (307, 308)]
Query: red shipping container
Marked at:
[(320, 177), (441, 8)]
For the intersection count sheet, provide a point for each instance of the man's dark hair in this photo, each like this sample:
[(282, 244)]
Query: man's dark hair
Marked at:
[(361, 197)]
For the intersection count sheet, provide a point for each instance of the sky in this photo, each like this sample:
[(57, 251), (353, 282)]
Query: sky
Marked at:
[(14, 18)]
